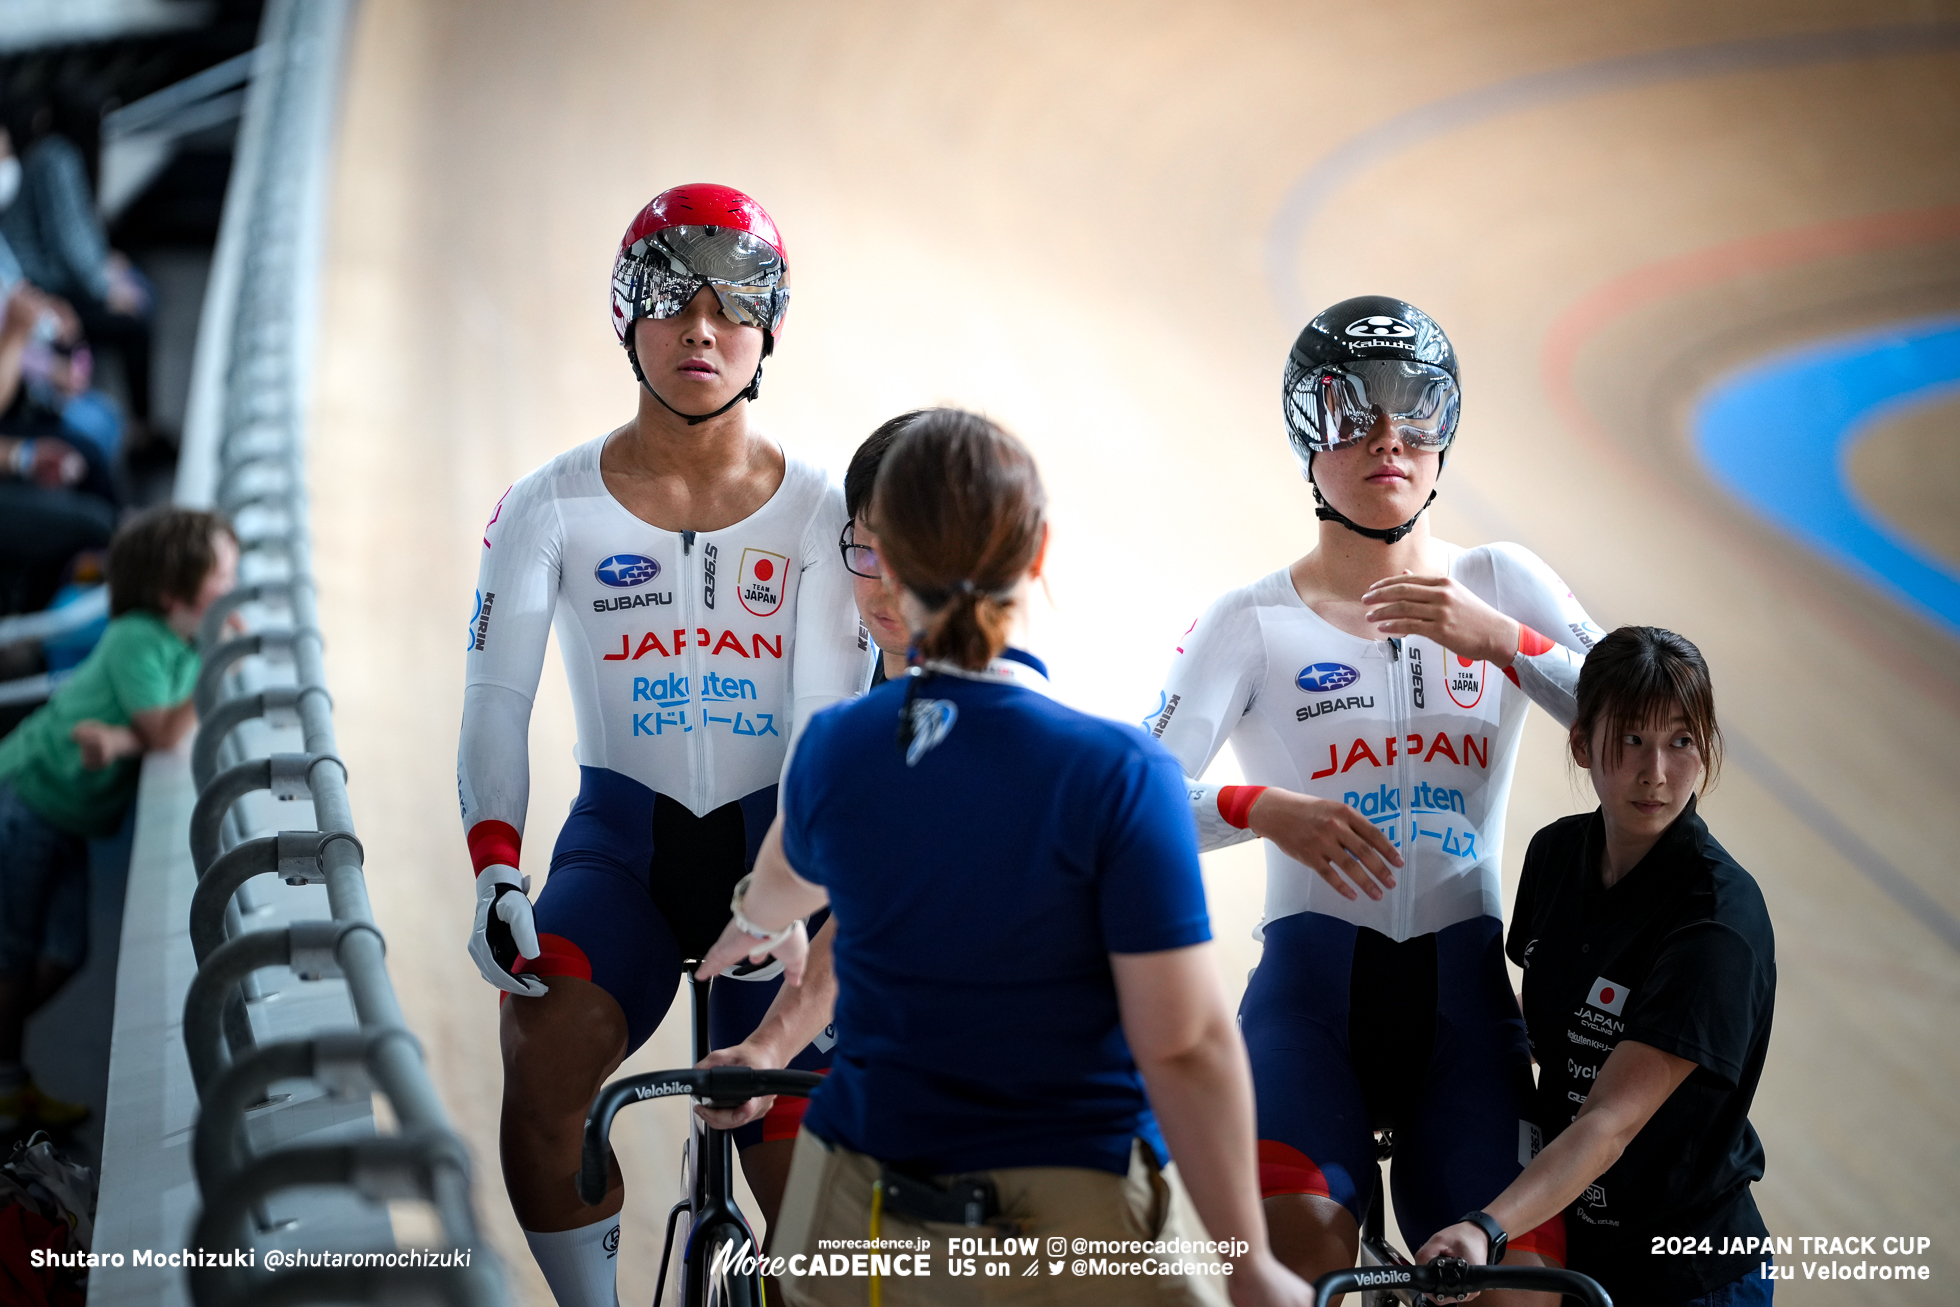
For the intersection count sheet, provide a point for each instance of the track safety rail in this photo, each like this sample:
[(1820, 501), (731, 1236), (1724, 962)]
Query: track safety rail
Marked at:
[(260, 484)]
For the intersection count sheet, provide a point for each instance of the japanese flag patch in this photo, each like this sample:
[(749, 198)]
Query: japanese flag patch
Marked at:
[(1607, 996), (762, 580)]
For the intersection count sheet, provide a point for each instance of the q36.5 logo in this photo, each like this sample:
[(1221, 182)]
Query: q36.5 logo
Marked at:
[(1320, 678), (624, 571)]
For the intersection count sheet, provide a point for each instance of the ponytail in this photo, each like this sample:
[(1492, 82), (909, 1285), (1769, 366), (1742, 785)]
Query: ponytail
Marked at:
[(969, 628), (959, 510)]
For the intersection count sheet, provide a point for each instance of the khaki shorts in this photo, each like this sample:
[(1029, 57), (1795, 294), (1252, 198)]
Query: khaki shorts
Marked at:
[(1044, 1211)]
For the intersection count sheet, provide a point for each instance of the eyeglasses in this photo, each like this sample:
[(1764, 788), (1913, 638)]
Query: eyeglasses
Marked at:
[(859, 560), (1338, 405)]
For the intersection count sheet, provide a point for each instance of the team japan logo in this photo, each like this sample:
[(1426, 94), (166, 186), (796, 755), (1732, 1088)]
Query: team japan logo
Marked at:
[(1607, 996), (1379, 327), (761, 580), (1465, 681), (624, 571)]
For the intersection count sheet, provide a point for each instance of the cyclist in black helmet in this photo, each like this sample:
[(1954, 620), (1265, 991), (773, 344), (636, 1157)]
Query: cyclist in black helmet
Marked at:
[(1374, 692)]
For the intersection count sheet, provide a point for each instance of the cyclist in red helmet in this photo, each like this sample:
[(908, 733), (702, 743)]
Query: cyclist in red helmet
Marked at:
[(690, 568)]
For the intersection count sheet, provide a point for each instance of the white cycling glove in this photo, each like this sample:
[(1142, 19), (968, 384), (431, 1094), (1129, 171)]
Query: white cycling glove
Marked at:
[(505, 929)]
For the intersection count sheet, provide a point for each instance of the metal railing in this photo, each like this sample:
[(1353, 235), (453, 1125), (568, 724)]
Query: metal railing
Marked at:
[(260, 484)]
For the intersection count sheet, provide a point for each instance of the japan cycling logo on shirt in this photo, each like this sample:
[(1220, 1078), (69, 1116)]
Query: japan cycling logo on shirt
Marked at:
[(1320, 678), (760, 582), (1607, 996), (1464, 680), (624, 571)]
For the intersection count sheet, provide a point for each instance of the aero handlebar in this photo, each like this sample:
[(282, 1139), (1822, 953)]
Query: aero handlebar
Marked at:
[(1451, 1276), (721, 1086)]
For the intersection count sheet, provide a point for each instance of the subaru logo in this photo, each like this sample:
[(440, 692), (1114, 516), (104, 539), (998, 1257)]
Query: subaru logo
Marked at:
[(623, 571), (1319, 678), (1380, 327)]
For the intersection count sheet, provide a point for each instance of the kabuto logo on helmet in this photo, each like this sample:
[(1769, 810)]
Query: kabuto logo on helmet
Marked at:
[(1378, 326)]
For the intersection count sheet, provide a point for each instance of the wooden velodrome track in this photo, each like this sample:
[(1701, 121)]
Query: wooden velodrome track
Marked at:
[(1104, 224)]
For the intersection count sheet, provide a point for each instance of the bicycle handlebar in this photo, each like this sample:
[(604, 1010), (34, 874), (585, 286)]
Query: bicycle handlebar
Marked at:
[(1450, 1275), (721, 1086)]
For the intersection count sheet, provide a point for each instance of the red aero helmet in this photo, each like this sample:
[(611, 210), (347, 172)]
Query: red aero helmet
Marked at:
[(696, 235)]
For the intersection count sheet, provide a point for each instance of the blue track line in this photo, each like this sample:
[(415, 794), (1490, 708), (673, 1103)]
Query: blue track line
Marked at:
[(1778, 433)]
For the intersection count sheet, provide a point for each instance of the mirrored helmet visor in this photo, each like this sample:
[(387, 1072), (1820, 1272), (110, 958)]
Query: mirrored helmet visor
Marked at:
[(1337, 405), (748, 276)]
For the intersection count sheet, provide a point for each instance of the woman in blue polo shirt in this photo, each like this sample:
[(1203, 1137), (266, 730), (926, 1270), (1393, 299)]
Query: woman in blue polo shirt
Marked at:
[(1649, 987), (1022, 942)]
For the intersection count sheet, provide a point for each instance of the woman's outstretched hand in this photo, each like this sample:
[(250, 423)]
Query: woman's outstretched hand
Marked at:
[(751, 1052), (737, 945)]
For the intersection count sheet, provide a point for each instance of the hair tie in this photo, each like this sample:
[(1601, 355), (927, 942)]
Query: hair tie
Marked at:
[(965, 587)]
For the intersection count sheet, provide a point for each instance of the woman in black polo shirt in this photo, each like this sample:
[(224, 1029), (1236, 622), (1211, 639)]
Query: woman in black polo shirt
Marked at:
[(1650, 980)]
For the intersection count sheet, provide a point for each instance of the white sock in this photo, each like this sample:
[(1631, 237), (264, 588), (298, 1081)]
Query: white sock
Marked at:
[(580, 1265)]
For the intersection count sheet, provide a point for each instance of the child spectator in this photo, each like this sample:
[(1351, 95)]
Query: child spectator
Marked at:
[(69, 772)]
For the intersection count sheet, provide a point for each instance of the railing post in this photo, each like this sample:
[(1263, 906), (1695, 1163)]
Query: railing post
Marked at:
[(259, 414)]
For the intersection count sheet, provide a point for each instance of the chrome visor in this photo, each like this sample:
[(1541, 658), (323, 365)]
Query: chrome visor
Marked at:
[(672, 265), (1337, 405)]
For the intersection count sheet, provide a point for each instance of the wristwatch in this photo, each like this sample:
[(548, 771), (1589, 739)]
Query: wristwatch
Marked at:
[(1494, 1232), (764, 938)]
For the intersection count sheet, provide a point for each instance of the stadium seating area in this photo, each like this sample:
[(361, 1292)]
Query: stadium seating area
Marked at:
[(115, 150)]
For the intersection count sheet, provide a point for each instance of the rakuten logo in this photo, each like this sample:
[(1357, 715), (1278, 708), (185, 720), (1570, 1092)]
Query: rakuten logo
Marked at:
[(1424, 798)]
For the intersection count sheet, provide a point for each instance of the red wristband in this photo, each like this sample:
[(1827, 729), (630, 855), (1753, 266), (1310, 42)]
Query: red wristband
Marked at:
[(494, 842), (1235, 803), (1530, 643)]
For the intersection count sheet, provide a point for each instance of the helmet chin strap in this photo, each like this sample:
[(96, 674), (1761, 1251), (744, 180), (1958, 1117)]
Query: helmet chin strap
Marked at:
[(1326, 512), (749, 391)]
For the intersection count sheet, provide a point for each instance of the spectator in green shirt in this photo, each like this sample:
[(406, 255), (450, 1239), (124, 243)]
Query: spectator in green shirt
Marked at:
[(68, 773)]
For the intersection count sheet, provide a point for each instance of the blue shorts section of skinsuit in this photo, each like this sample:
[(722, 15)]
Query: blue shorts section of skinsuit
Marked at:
[(1459, 1147), (600, 896)]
